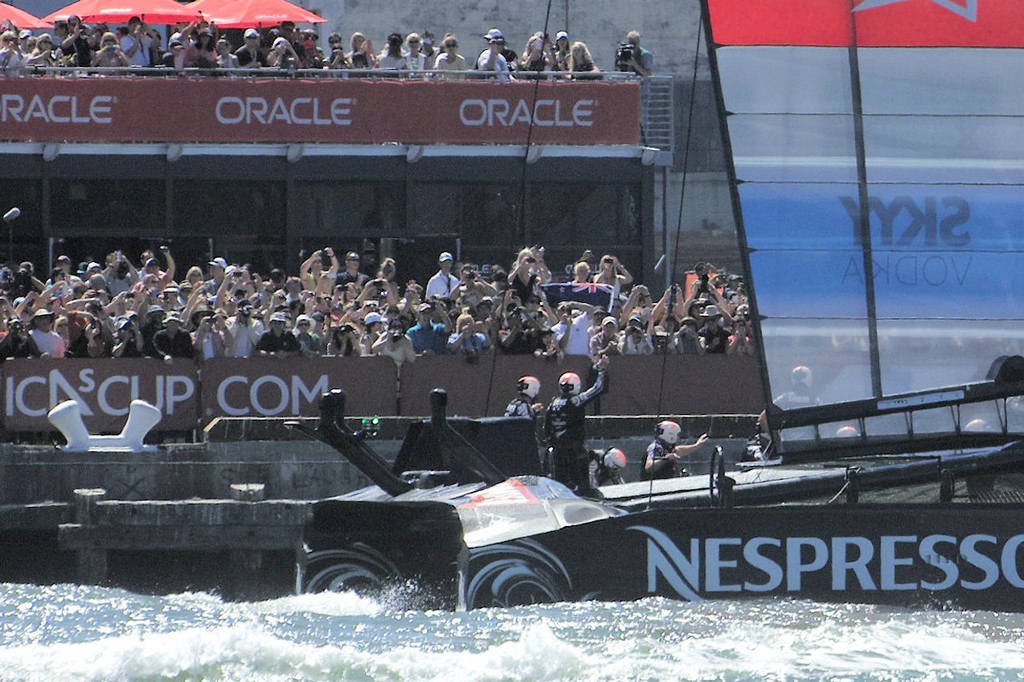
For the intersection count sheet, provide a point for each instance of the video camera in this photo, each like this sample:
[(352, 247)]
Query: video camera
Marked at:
[(623, 55)]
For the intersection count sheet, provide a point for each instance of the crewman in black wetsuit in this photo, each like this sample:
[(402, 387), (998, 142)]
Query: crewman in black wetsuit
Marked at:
[(564, 427)]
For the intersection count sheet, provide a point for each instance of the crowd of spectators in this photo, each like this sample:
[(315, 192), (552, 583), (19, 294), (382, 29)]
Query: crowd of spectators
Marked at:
[(337, 306), (202, 45)]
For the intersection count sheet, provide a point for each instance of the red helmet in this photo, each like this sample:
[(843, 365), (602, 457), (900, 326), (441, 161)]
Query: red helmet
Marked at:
[(615, 458), (528, 386), (570, 384)]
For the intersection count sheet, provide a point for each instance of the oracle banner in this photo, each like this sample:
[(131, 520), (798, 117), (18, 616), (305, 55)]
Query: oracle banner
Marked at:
[(329, 111)]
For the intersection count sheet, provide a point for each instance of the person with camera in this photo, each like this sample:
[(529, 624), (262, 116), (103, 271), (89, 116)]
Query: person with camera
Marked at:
[(119, 273), (87, 336), (311, 55), (634, 339), (344, 342), (361, 56), (127, 338), (686, 341), (472, 288), (17, 343), (336, 58), (211, 338), (136, 43), (632, 58), (670, 309), (244, 329), (613, 273), (283, 56), (312, 271), (523, 325), (605, 341), (394, 344), (559, 52), (537, 53), (742, 340), (79, 43), (714, 335), (467, 340)]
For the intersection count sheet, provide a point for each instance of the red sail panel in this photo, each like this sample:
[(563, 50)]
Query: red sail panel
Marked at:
[(880, 23)]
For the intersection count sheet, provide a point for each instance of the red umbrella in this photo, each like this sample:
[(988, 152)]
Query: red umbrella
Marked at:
[(114, 11), (253, 13), (19, 18)]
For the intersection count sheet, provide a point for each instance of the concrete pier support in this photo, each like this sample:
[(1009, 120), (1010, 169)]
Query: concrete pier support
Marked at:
[(90, 562)]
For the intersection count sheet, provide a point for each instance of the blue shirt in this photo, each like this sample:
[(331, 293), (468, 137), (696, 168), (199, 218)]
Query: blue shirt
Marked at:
[(433, 338)]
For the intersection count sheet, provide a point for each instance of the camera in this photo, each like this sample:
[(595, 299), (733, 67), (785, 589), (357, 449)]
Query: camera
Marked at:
[(623, 55)]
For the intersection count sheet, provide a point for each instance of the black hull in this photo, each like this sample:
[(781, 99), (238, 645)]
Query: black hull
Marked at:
[(934, 555)]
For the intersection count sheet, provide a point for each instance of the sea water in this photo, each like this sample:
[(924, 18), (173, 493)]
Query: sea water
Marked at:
[(70, 632)]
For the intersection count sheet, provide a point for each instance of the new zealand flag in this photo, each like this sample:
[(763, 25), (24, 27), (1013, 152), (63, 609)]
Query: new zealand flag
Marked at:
[(598, 295)]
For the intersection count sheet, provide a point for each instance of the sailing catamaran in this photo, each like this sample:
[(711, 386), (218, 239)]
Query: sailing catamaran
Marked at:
[(876, 169)]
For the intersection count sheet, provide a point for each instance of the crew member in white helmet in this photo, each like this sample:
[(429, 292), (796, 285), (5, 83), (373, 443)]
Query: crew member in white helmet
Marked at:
[(524, 404), (606, 467), (564, 427), (665, 451)]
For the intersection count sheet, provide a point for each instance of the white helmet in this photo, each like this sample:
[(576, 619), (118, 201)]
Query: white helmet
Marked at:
[(668, 431), (570, 384), (528, 386), (615, 458), (802, 376)]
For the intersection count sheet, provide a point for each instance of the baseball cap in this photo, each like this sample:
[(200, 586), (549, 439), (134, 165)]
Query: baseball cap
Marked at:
[(561, 34), (219, 262), (371, 318), (252, 33), (444, 256), (494, 34)]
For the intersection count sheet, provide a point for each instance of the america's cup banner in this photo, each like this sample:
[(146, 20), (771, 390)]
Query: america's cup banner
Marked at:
[(222, 110)]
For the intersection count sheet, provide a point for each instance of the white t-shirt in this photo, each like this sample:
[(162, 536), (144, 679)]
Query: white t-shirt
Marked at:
[(579, 334)]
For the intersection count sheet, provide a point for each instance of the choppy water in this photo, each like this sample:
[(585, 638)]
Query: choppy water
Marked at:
[(79, 633)]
